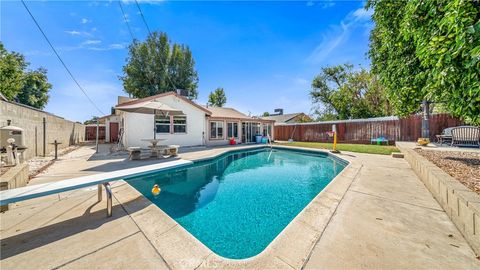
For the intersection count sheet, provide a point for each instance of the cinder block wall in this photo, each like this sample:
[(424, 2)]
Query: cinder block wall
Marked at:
[(31, 120), (460, 203)]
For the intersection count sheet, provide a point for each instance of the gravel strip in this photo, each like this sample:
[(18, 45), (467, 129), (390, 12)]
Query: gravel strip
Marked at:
[(463, 166)]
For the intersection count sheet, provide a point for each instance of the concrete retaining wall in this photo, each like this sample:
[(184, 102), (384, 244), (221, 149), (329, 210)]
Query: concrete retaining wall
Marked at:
[(31, 120), (15, 177), (460, 203)]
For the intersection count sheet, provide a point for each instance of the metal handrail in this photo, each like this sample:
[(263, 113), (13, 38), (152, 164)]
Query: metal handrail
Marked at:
[(108, 191)]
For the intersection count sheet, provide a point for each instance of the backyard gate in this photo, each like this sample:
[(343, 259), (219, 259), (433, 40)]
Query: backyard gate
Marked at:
[(91, 133)]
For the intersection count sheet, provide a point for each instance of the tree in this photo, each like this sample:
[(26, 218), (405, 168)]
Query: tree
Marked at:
[(430, 50), (29, 87), (91, 121), (339, 92), (155, 66), (35, 89), (265, 114), (217, 98), (393, 58)]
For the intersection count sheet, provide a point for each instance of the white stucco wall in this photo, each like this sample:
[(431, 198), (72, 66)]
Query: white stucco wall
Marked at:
[(141, 126)]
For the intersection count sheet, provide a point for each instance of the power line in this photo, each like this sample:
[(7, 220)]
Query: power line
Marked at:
[(150, 34), (126, 20), (59, 58), (143, 18)]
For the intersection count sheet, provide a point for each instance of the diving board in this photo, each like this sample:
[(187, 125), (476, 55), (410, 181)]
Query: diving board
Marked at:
[(40, 190)]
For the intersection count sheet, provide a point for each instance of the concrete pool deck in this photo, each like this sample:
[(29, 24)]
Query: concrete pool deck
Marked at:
[(385, 218)]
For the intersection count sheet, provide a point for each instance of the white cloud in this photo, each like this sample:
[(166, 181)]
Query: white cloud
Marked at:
[(328, 4), (73, 33), (78, 33), (339, 34), (117, 46), (323, 4), (94, 45), (85, 20), (91, 42)]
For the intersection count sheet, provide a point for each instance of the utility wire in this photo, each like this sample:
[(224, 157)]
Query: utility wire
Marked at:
[(126, 20), (143, 18), (59, 58), (150, 34)]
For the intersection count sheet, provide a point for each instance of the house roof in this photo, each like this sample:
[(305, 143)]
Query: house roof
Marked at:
[(282, 118), (164, 95), (222, 112)]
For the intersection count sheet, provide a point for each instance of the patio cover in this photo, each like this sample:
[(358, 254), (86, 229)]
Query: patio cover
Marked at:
[(150, 107)]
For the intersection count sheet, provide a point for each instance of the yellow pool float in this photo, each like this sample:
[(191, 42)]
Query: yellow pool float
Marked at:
[(156, 190)]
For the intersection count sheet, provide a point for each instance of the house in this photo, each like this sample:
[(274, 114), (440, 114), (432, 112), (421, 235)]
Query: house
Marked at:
[(195, 125), (281, 118), (238, 125)]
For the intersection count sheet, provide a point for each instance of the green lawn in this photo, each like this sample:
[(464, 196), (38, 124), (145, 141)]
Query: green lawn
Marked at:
[(359, 148)]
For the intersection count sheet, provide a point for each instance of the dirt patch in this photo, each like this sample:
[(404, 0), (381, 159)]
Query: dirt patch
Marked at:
[(39, 164), (463, 166)]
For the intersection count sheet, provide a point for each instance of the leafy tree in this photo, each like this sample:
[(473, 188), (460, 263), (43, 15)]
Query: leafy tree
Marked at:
[(91, 121), (217, 98), (393, 58), (28, 87), (155, 66), (305, 119), (428, 49), (35, 89), (265, 114), (339, 92)]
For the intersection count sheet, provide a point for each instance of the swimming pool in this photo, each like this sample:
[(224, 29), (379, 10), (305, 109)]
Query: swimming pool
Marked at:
[(236, 204)]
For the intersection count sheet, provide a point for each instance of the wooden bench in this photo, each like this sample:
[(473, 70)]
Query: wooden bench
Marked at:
[(101, 179), (466, 136)]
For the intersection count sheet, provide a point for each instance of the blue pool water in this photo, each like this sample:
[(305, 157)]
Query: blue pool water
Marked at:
[(238, 203)]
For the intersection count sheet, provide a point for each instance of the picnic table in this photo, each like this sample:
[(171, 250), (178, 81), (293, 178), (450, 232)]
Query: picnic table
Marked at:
[(154, 147)]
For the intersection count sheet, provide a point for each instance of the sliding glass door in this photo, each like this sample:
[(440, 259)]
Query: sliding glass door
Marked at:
[(249, 130)]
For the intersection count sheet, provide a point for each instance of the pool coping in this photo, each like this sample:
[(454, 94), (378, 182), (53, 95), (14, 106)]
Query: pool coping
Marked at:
[(290, 249)]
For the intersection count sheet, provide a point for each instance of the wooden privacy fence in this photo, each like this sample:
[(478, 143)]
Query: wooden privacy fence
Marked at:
[(363, 130), (91, 133)]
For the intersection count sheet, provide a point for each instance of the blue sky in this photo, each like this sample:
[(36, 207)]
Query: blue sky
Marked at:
[(264, 54)]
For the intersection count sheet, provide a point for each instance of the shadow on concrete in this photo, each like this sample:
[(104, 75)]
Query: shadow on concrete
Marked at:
[(45, 235)]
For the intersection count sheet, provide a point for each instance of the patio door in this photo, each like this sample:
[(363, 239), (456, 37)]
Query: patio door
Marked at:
[(249, 130)]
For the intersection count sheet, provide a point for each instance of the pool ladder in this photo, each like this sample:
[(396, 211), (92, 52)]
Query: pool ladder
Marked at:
[(269, 140)]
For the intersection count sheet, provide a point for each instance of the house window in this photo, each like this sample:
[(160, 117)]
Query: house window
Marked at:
[(216, 130), (179, 124), (232, 130), (162, 124)]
